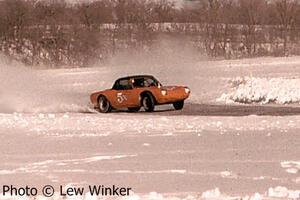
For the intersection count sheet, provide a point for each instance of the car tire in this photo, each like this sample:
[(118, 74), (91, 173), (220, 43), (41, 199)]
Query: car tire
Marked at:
[(178, 105), (104, 105), (136, 109), (148, 102)]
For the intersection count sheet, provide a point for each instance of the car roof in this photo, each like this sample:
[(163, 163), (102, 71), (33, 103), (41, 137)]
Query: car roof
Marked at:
[(136, 76)]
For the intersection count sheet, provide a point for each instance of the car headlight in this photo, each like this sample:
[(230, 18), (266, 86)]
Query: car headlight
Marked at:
[(164, 92), (187, 90)]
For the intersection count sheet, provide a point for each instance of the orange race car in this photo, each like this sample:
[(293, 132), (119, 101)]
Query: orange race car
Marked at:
[(134, 92)]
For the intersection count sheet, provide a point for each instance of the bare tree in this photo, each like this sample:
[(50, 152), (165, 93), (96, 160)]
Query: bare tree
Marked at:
[(211, 11), (228, 16), (163, 11), (55, 32), (286, 14), (251, 16), (16, 15)]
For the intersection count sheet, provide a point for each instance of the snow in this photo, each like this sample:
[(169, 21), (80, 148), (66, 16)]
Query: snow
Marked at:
[(263, 90), (211, 194), (262, 80), (51, 108), (66, 125), (292, 167), (99, 125), (277, 193), (283, 192), (41, 166)]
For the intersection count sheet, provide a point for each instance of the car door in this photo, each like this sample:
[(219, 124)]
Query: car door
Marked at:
[(124, 94)]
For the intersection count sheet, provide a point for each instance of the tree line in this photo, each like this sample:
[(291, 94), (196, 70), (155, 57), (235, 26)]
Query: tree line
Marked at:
[(56, 32)]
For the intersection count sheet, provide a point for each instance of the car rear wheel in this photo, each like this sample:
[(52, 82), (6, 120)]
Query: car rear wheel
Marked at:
[(148, 102), (104, 105), (178, 105), (136, 109)]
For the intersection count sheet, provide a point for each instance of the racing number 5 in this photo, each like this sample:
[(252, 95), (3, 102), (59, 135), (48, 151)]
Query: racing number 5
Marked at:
[(121, 97)]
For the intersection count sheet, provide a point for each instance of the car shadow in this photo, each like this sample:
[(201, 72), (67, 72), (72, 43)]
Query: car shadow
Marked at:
[(144, 112)]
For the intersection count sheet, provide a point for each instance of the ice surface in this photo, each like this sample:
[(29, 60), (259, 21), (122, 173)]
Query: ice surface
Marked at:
[(119, 129), (47, 109), (98, 125)]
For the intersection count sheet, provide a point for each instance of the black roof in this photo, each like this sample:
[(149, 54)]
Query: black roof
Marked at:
[(136, 76)]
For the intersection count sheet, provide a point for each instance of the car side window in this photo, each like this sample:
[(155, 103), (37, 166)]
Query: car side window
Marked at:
[(148, 82), (122, 85), (138, 82)]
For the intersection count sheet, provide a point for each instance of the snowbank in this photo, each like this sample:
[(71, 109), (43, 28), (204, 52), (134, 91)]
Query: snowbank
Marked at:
[(263, 90)]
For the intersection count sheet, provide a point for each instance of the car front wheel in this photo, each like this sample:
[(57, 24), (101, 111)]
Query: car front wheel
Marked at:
[(104, 105), (178, 105), (148, 103)]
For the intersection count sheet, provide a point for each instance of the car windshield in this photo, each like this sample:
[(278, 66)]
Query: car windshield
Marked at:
[(145, 82), (151, 82)]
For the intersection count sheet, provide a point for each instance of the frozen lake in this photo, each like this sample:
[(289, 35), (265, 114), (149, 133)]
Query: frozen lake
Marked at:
[(178, 155), (210, 150)]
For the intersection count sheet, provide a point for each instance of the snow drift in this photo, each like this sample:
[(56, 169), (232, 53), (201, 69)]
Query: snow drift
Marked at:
[(263, 91)]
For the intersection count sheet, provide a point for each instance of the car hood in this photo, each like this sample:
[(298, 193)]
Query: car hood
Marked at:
[(171, 87)]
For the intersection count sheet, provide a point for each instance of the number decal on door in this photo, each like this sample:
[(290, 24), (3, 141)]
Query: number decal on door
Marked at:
[(121, 97)]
